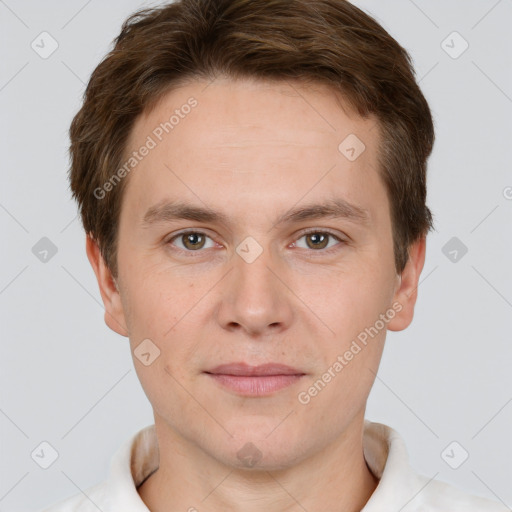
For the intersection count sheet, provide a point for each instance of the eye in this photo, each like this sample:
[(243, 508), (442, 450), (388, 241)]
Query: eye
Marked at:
[(191, 240), (194, 241), (318, 240)]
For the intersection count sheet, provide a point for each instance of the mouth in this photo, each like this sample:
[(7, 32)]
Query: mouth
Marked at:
[(261, 380)]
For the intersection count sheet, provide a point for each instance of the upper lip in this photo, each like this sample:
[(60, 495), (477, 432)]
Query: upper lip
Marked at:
[(244, 369)]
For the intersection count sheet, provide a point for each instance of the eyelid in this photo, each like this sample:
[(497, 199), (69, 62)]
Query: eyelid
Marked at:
[(319, 230)]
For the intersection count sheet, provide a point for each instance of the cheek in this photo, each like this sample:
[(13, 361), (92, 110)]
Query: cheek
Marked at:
[(166, 309), (155, 301), (351, 357), (351, 301), (159, 327)]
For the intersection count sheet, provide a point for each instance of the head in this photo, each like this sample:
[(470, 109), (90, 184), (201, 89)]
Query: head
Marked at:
[(290, 139)]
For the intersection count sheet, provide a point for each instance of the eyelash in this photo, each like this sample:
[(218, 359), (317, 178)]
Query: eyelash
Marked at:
[(304, 233)]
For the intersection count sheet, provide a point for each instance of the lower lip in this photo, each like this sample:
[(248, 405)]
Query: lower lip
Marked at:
[(255, 386)]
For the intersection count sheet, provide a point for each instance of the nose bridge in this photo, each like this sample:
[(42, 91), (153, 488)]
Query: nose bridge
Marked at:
[(254, 297), (251, 268)]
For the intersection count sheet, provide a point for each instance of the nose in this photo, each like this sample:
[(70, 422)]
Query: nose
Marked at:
[(255, 298)]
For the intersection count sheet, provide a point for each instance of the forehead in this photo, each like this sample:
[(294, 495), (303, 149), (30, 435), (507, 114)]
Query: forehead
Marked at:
[(263, 142), (255, 109)]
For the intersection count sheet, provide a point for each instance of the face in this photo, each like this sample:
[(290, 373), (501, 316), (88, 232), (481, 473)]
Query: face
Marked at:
[(223, 260)]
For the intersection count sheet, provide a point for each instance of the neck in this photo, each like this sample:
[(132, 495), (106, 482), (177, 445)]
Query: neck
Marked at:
[(336, 478)]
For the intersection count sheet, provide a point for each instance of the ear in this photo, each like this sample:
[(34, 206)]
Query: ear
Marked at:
[(114, 313), (407, 290)]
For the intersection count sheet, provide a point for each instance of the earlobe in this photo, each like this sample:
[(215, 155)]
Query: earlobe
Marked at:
[(109, 290), (407, 290)]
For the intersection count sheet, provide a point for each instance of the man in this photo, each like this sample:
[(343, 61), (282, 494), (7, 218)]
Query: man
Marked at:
[(251, 176)]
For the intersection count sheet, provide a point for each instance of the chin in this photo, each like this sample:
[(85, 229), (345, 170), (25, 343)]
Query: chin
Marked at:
[(263, 448)]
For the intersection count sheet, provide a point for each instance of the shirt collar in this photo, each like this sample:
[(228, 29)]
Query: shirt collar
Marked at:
[(135, 460), (386, 456)]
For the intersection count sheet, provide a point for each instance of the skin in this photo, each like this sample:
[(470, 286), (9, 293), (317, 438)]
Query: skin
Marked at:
[(253, 150)]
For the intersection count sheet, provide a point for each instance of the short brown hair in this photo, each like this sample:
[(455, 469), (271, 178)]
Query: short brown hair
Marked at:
[(325, 41)]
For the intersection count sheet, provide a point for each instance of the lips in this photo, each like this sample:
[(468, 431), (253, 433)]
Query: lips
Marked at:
[(254, 381), (245, 370)]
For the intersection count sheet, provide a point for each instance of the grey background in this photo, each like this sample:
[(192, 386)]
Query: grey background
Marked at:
[(68, 380)]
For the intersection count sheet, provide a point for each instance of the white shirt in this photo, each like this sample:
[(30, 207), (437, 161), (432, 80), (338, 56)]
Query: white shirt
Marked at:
[(399, 488)]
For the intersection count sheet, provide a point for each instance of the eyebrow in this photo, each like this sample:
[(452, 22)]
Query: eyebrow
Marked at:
[(337, 208)]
